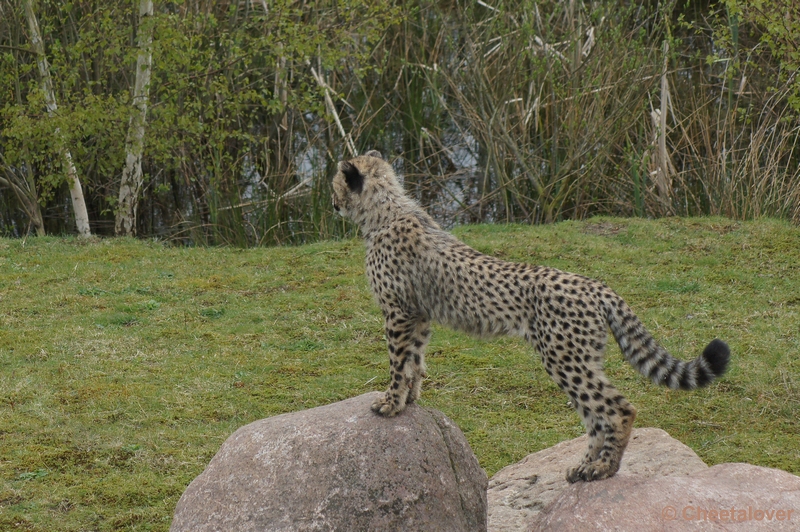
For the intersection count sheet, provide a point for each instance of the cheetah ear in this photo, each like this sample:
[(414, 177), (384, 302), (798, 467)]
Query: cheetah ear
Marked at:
[(374, 153), (353, 178)]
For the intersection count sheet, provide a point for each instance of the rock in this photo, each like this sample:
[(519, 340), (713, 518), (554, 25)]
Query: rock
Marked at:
[(518, 493), (340, 467), (730, 497)]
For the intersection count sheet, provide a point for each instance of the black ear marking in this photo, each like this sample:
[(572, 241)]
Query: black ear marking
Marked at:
[(353, 178), (374, 153)]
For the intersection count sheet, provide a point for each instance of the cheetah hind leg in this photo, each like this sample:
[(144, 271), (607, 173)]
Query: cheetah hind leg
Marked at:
[(597, 437), (608, 438)]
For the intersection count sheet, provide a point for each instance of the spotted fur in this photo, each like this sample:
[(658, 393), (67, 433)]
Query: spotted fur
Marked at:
[(420, 273)]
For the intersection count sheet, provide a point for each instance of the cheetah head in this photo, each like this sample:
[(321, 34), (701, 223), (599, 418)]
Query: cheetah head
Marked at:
[(363, 183)]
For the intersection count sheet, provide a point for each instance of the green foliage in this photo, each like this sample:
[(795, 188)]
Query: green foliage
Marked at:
[(225, 84), (31, 137), (125, 364), (779, 22)]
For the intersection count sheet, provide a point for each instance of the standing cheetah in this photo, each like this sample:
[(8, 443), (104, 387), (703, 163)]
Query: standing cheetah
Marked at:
[(419, 273)]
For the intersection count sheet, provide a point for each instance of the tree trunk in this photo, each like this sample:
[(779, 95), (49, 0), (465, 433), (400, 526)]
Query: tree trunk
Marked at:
[(131, 185), (664, 167), (75, 189)]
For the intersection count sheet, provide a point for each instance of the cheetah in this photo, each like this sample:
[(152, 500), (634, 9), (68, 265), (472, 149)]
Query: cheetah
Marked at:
[(420, 273)]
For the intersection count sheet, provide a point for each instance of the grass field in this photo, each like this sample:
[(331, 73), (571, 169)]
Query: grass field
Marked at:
[(125, 364)]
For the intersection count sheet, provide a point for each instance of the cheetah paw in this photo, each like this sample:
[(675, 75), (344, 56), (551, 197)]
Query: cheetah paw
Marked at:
[(386, 406), (588, 472)]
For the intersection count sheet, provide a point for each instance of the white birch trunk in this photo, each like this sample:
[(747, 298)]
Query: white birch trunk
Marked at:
[(665, 169), (131, 185), (75, 189)]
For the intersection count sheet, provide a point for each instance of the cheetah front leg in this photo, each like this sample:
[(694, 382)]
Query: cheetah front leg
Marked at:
[(407, 338)]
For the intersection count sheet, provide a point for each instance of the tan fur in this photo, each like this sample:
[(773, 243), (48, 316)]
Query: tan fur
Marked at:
[(420, 273)]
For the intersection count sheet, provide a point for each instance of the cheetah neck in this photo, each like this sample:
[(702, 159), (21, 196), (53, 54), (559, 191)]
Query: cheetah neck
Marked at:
[(389, 209)]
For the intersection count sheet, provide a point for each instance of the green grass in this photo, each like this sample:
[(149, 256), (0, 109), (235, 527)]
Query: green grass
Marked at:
[(125, 364)]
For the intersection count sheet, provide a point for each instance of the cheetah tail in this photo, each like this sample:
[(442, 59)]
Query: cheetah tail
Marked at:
[(655, 363)]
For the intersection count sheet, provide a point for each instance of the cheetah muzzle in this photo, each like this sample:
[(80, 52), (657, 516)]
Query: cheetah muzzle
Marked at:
[(420, 273)]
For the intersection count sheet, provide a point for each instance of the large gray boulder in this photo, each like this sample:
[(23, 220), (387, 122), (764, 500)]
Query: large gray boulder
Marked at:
[(730, 497), (520, 491), (340, 467)]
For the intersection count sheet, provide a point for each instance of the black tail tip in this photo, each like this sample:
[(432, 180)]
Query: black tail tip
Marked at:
[(717, 354)]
